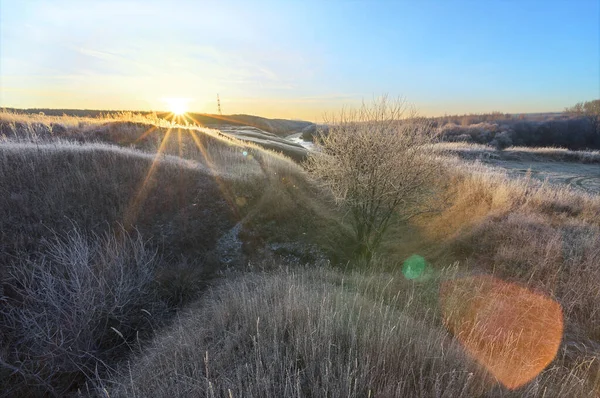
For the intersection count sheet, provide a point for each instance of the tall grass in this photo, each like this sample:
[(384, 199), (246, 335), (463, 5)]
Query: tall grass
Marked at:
[(544, 236), (50, 187), (295, 334), (318, 332)]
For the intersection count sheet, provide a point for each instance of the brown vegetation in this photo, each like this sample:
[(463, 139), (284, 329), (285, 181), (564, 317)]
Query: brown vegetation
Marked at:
[(102, 245), (577, 128)]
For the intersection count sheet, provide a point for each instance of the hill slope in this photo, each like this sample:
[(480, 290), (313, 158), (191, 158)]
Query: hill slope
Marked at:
[(280, 127)]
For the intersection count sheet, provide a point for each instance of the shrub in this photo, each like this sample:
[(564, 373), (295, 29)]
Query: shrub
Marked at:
[(378, 166), (80, 305), (577, 129), (502, 141)]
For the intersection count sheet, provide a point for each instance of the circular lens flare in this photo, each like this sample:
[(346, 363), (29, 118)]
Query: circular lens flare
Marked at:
[(512, 331), (414, 266)]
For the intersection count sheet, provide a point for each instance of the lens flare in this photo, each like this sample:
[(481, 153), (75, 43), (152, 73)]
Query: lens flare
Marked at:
[(414, 266), (513, 332)]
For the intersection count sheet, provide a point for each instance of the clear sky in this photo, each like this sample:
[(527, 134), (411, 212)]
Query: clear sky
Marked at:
[(299, 59)]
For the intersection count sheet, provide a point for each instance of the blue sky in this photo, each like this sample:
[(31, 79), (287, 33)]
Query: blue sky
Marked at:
[(299, 59)]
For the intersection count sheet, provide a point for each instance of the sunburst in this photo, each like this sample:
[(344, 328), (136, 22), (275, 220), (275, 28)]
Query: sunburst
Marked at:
[(176, 120), (177, 106)]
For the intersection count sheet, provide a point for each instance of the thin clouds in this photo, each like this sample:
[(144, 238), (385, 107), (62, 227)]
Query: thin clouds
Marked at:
[(104, 49), (276, 51)]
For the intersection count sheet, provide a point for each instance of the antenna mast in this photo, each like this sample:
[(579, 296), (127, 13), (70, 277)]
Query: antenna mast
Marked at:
[(219, 105)]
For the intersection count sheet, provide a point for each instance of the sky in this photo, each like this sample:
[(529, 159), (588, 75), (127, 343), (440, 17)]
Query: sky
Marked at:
[(300, 59)]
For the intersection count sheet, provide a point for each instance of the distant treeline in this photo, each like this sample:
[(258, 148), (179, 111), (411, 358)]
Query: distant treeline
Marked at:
[(576, 128), (572, 133), (474, 118)]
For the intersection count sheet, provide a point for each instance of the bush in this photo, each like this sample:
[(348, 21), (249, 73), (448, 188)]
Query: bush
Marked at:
[(81, 305), (379, 168), (502, 141)]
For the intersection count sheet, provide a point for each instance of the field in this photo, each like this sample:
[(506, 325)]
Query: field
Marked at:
[(583, 177), (142, 258), (577, 169)]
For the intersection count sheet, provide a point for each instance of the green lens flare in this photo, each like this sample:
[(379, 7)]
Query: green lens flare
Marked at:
[(414, 266)]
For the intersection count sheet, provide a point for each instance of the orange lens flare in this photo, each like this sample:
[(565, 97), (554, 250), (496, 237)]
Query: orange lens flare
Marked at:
[(513, 332)]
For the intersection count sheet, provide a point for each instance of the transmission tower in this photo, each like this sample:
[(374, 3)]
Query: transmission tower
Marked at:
[(219, 105)]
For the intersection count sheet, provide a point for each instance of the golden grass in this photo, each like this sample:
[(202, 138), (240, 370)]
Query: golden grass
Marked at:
[(77, 121)]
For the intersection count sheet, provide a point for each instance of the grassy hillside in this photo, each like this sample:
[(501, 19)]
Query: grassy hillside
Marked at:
[(196, 170), (97, 187), (320, 332), (138, 130), (142, 259), (303, 332), (326, 332), (80, 218), (279, 127)]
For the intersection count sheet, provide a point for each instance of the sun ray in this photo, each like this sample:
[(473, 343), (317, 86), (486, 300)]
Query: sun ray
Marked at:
[(227, 194), (145, 134), (181, 179), (188, 117), (142, 192), (179, 142)]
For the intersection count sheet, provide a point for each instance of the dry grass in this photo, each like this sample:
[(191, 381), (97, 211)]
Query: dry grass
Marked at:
[(544, 236), (480, 151), (72, 301), (293, 334), (180, 189), (51, 187), (75, 121), (244, 177), (182, 193), (318, 332), (138, 130)]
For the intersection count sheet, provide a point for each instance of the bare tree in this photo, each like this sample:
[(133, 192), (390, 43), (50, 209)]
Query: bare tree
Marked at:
[(378, 163), (590, 110)]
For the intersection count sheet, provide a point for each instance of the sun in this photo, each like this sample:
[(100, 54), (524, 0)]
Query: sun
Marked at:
[(178, 106)]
